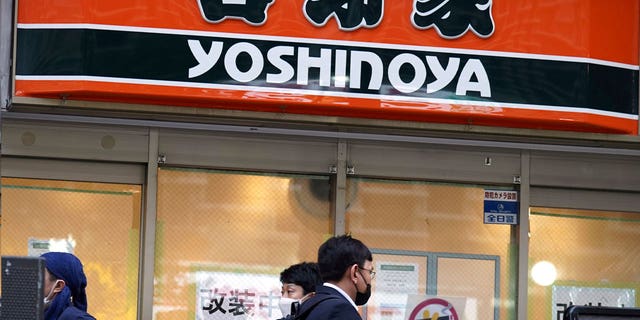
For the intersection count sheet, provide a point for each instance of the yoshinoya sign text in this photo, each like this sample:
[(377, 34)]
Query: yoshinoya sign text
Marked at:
[(337, 68)]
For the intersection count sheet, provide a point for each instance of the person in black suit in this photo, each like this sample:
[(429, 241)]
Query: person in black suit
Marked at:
[(346, 267)]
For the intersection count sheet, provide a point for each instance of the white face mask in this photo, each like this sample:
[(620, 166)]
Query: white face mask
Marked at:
[(286, 305), (47, 300)]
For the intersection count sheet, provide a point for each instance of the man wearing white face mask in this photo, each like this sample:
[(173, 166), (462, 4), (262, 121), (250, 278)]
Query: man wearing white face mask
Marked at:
[(64, 288), (299, 282)]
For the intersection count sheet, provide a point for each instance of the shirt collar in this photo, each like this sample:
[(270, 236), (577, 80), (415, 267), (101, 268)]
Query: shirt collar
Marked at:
[(331, 285)]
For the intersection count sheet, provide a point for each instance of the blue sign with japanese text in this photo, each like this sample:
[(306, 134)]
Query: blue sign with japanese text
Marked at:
[(501, 207)]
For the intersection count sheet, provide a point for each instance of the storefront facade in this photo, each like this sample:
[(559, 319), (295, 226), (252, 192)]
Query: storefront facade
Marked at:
[(186, 153)]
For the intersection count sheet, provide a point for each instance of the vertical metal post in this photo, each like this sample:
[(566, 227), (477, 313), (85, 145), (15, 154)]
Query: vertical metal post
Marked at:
[(148, 232), (523, 236), (339, 189), (6, 43)]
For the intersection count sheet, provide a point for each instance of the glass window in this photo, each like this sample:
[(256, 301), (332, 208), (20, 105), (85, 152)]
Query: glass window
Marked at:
[(437, 234), (98, 222), (582, 257), (224, 237)]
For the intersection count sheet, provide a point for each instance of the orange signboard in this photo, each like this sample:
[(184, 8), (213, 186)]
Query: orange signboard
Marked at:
[(563, 65)]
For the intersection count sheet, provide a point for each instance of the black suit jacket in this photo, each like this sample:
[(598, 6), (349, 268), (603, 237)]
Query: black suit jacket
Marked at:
[(336, 308)]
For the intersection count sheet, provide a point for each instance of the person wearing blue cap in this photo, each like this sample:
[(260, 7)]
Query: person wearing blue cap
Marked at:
[(64, 287)]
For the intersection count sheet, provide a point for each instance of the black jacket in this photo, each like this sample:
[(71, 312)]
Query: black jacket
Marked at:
[(334, 306)]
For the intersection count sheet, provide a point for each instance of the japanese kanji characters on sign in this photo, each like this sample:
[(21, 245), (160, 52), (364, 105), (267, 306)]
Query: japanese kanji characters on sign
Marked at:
[(451, 18), (500, 195), (253, 12), (225, 295)]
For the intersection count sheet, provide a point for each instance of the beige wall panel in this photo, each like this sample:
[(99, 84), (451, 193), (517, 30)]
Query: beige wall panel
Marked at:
[(70, 141), (72, 170), (583, 171), (220, 150), (434, 163), (585, 199)]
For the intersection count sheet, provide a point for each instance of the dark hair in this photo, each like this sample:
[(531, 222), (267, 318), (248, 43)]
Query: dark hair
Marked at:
[(305, 274), (338, 253), (52, 277)]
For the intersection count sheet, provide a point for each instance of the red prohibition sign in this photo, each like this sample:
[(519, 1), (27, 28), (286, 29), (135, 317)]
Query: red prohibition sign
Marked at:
[(440, 304)]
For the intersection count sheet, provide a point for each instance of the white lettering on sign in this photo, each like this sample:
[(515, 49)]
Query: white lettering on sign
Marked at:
[(472, 75), (286, 70), (500, 195), (472, 68), (206, 61), (420, 73), (305, 62), (443, 76), (242, 2), (358, 58)]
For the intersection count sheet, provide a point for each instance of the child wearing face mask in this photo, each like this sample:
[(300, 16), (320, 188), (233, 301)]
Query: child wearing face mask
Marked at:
[(299, 282), (64, 288)]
